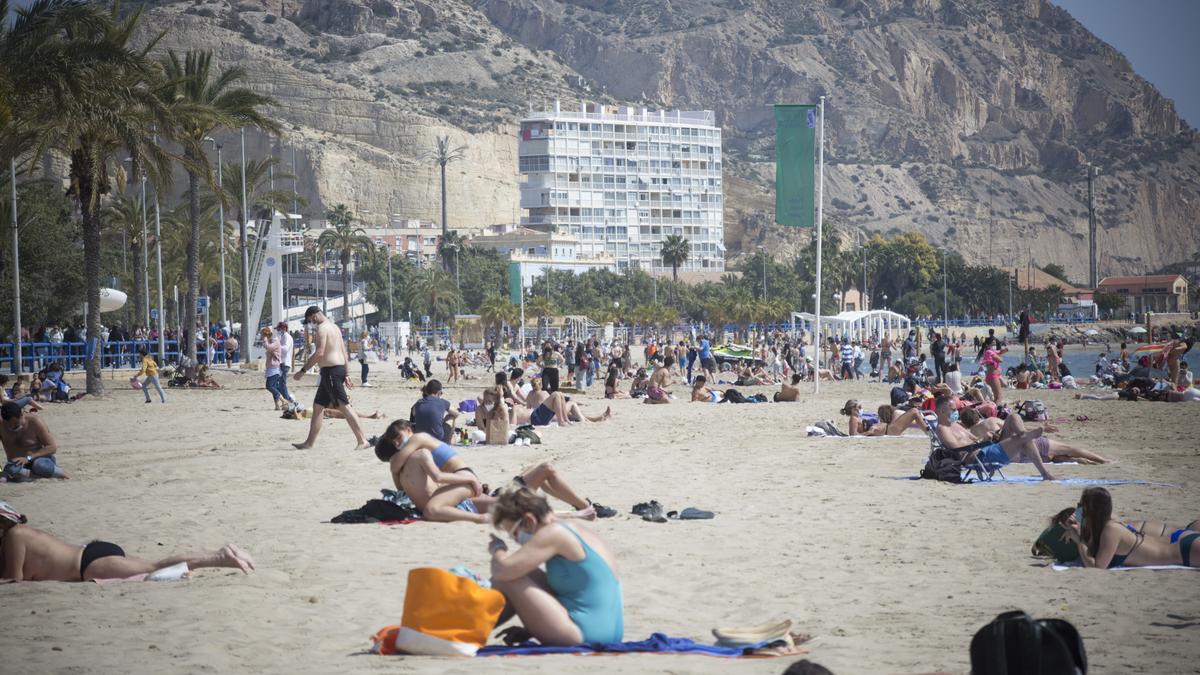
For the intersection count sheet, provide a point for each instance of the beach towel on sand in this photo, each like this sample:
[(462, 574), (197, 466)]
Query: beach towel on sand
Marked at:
[(1059, 567), (657, 643), (1062, 481)]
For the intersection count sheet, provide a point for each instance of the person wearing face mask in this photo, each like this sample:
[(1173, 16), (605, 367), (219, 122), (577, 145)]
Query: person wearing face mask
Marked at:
[(445, 489), (29, 447), (492, 416), (1017, 448), (577, 599)]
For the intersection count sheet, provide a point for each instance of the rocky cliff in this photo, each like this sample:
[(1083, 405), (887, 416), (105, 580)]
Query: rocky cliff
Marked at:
[(968, 120)]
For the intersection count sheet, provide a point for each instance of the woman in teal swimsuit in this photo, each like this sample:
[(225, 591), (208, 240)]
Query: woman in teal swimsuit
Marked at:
[(1105, 542), (577, 598)]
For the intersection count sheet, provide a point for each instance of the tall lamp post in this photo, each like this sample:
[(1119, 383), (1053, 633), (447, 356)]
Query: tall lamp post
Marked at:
[(221, 228), (391, 298), (945, 297), (16, 263), (763, 251), (246, 328)]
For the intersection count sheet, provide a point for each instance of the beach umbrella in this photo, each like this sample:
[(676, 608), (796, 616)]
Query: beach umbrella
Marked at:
[(1137, 330)]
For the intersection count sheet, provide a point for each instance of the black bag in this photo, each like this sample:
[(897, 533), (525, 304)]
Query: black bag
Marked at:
[(899, 396), (1015, 644), (734, 396), (945, 465)]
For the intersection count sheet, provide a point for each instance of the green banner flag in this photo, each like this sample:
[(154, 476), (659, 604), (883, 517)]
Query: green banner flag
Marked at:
[(515, 288), (795, 143)]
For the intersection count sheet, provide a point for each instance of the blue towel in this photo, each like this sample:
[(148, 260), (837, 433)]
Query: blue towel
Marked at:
[(656, 643), (1064, 481)]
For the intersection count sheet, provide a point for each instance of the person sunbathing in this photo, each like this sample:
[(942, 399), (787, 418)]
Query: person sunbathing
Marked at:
[(702, 394), (335, 414), (890, 423), (1051, 450), (1158, 528), (639, 384), (492, 416), (445, 489), (610, 384), (29, 447), (29, 554), (1105, 542), (577, 599), (656, 390), (555, 409), (992, 453), (789, 392)]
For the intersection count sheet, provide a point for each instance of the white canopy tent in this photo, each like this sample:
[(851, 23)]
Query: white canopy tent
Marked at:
[(859, 325)]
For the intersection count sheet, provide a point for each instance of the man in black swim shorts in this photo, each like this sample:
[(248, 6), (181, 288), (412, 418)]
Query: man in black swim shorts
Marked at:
[(332, 356)]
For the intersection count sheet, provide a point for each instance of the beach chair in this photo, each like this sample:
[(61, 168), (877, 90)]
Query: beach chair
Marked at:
[(984, 472)]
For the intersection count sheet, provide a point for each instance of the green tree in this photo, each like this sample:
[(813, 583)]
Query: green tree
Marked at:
[(339, 215), (124, 215), (432, 292), (346, 242), (51, 259), (675, 252), (497, 311), (111, 117), (541, 309), (1108, 303), (1055, 270), (203, 102)]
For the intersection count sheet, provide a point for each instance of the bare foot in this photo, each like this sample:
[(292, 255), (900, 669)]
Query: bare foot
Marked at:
[(232, 555), (302, 446)]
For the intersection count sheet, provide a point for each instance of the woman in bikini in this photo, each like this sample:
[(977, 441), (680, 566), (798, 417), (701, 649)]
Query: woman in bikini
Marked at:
[(890, 423), (991, 367), (1105, 542)]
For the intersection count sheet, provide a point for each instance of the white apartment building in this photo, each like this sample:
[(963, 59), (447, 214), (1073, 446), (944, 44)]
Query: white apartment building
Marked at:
[(535, 251), (621, 180)]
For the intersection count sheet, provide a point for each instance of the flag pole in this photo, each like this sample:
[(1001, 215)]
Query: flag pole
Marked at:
[(820, 216)]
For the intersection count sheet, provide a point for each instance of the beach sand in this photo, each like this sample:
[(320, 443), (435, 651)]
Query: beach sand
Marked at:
[(893, 576)]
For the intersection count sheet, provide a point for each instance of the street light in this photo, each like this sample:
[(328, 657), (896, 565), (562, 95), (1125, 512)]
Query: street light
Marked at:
[(221, 227), (16, 260), (945, 299), (763, 251), (885, 302), (246, 337)]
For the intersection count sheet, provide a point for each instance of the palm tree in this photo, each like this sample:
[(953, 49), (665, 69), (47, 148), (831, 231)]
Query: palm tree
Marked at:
[(675, 251), (124, 214), (433, 292), (96, 126), (339, 215), (442, 154), (450, 241), (496, 311), (346, 241), (541, 308), (202, 105)]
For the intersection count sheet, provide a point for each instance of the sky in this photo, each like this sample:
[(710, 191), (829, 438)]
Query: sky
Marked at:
[(1159, 39)]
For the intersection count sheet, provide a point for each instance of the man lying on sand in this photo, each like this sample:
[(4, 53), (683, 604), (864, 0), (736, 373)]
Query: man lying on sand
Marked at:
[(30, 554), (993, 428), (445, 489), (29, 446), (994, 453)]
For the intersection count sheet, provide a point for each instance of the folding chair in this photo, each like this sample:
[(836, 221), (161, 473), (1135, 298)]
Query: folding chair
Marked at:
[(983, 471)]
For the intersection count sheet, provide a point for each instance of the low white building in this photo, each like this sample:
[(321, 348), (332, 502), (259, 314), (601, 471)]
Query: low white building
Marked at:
[(536, 251)]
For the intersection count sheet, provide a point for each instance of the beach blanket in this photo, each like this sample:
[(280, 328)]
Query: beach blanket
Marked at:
[(657, 643), (1058, 567), (1063, 481)]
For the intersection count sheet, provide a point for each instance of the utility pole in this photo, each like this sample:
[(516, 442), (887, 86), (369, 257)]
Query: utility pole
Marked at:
[(1091, 186), (145, 257), (16, 263), (247, 337)]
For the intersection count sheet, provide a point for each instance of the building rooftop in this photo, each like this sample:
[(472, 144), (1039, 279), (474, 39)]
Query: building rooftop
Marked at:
[(611, 113), (1140, 281)]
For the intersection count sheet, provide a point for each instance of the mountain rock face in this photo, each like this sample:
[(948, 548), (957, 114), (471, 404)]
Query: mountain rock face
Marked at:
[(968, 120)]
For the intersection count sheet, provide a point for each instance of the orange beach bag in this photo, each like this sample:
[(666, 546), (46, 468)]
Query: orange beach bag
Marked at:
[(444, 615)]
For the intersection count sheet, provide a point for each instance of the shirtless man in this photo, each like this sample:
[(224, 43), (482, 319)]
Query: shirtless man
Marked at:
[(1018, 448), (1051, 450), (702, 394), (789, 392), (656, 391), (332, 356), (29, 446), (445, 489), (30, 554)]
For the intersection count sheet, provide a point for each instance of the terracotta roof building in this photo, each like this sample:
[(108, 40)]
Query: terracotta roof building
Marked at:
[(1156, 293)]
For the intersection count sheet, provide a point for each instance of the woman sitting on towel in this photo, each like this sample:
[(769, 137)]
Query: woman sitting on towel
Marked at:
[(577, 598), (1105, 542)]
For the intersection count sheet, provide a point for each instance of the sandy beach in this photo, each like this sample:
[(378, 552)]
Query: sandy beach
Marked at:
[(893, 576)]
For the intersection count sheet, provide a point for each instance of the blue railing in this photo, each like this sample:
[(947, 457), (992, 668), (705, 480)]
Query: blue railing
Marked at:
[(122, 354)]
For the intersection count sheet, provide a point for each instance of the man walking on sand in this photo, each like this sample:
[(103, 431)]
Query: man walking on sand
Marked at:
[(331, 355)]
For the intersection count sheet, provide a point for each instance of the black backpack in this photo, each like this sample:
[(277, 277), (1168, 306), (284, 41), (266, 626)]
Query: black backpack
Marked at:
[(733, 396), (944, 464), (1016, 644)]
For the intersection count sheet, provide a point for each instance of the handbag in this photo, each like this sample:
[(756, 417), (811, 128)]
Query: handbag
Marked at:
[(444, 615)]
